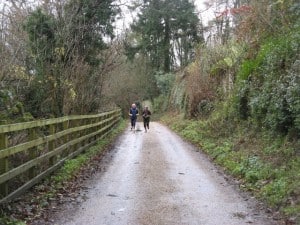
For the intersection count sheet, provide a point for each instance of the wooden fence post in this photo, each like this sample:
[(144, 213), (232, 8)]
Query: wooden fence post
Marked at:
[(51, 145), (3, 163), (75, 135), (85, 132), (66, 137), (96, 120), (32, 151)]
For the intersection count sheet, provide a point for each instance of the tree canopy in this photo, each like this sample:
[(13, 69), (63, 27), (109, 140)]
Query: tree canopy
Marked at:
[(166, 32)]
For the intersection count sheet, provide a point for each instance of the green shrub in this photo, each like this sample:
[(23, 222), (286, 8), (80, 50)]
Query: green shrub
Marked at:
[(8, 221), (246, 69), (268, 90), (276, 191), (164, 82), (240, 101), (160, 103)]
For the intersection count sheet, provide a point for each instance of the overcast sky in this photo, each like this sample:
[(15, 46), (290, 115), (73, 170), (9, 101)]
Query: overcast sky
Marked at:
[(127, 16)]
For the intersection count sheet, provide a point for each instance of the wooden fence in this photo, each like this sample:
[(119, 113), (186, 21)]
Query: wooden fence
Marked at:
[(30, 151)]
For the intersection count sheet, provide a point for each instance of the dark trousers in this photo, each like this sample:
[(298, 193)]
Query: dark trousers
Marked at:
[(146, 122), (133, 121)]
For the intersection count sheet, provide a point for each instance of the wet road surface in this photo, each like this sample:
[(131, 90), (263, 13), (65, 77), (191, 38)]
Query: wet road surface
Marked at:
[(155, 178)]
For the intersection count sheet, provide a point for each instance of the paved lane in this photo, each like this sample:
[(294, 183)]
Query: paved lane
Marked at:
[(155, 178)]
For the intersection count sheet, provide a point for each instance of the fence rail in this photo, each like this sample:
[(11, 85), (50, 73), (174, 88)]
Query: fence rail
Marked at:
[(30, 151)]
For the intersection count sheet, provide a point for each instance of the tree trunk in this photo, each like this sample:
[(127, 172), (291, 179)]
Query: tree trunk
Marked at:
[(167, 46)]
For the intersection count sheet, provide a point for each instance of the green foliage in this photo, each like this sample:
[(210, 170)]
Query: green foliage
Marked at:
[(224, 58), (291, 211), (11, 109), (6, 97), (41, 32), (246, 69), (160, 103), (240, 101), (254, 169), (71, 167), (191, 132), (162, 25), (276, 191), (289, 12), (164, 82), (191, 135), (90, 21), (178, 96), (268, 87), (58, 54), (37, 99), (208, 78), (8, 221)]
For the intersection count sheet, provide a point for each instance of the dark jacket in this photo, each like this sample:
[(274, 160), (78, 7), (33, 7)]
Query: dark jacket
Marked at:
[(134, 112), (146, 113)]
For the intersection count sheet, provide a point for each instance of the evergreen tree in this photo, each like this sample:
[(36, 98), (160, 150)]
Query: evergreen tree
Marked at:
[(166, 32), (87, 22), (42, 41)]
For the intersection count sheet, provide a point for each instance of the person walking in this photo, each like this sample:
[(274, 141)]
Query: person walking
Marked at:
[(146, 118), (133, 113)]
